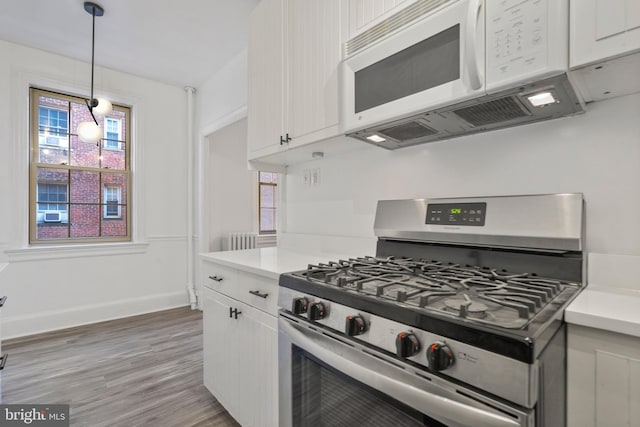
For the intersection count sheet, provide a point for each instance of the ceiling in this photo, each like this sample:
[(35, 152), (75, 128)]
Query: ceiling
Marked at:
[(181, 43)]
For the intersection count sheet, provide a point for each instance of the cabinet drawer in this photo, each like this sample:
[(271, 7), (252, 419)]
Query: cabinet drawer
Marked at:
[(219, 277), (257, 291)]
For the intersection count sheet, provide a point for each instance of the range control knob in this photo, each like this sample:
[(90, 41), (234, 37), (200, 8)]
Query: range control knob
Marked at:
[(299, 305), (407, 345), (355, 325), (439, 356), (317, 311)]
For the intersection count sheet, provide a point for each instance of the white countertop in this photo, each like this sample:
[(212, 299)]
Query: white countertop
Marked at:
[(608, 308), (269, 262)]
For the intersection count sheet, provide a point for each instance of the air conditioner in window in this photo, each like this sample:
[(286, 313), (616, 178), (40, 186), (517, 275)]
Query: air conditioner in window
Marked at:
[(55, 140), (52, 216)]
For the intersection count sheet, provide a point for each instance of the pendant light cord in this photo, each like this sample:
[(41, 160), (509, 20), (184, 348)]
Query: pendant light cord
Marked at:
[(93, 47)]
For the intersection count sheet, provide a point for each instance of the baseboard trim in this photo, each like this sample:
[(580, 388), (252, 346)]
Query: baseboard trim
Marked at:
[(21, 326)]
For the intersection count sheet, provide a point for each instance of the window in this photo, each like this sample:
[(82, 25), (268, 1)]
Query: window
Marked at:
[(79, 192), (112, 201), (53, 126), (111, 133), (267, 194)]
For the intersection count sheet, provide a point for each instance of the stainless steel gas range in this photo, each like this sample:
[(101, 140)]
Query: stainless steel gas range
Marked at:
[(457, 321)]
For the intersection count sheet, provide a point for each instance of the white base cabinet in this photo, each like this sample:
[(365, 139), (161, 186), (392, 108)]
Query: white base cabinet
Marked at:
[(240, 344), (603, 378)]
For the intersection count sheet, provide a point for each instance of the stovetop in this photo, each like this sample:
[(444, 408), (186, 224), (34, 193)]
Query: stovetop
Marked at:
[(478, 295)]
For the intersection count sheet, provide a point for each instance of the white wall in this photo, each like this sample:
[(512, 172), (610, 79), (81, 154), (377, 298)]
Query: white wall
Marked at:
[(597, 154), (229, 208), (222, 99), (57, 287)]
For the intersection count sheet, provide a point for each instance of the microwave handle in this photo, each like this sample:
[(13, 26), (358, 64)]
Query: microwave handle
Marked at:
[(473, 16), (421, 400)]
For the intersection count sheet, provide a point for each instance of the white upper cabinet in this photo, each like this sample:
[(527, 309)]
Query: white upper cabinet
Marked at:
[(267, 78), (603, 29), (363, 14), (294, 57), (314, 55)]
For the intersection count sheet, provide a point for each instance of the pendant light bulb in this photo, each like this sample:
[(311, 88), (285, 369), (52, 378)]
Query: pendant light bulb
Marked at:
[(89, 132), (104, 107)]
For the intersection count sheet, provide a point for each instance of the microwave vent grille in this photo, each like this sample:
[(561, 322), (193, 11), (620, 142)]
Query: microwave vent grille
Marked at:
[(491, 112), (398, 20), (407, 131)]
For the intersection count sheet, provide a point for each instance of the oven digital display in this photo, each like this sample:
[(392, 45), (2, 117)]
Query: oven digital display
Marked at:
[(470, 214)]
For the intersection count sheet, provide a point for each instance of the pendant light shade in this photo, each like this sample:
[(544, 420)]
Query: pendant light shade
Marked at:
[(90, 131), (104, 107)]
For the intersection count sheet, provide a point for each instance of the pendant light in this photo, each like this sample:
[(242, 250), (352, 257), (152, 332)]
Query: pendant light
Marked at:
[(91, 131)]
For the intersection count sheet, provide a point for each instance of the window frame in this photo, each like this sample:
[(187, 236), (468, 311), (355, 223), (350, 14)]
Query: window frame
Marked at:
[(262, 184), (35, 164)]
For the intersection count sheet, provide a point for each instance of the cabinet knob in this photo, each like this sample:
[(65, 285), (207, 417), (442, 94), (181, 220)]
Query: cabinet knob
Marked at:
[(216, 278), (2, 300), (3, 360)]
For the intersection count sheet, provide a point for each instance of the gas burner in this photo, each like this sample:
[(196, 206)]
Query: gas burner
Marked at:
[(466, 307)]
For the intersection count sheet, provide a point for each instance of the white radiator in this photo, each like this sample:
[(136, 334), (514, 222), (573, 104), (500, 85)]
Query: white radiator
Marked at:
[(237, 241)]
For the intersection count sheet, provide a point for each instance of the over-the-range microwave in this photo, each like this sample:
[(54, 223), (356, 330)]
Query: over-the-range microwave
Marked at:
[(445, 68)]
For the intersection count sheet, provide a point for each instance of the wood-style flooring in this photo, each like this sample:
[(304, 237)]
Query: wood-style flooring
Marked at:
[(139, 371)]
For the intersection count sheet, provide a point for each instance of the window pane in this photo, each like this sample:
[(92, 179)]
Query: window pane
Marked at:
[(268, 177), (85, 220), (85, 187), (114, 187), (53, 130), (115, 227), (113, 155), (85, 154), (267, 219), (52, 230), (267, 196)]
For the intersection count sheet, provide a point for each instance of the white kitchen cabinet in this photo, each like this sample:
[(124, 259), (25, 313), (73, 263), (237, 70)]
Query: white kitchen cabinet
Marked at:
[(603, 378), (267, 79), (294, 56), (603, 29), (363, 14), (240, 337)]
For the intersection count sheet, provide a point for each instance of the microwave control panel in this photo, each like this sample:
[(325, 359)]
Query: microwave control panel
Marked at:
[(472, 214), (518, 38)]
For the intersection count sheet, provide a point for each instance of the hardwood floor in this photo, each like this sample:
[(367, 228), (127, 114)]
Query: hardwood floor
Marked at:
[(143, 370)]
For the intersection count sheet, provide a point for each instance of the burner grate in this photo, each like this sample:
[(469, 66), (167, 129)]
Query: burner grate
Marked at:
[(477, 294)]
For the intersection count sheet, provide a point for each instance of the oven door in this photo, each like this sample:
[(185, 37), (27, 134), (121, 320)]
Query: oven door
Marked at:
[(327, 380), (433, 62)]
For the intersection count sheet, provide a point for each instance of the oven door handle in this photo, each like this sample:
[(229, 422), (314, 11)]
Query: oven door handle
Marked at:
[(425, 402)]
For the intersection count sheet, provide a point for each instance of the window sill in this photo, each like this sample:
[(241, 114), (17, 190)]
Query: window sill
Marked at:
[(36, 253)]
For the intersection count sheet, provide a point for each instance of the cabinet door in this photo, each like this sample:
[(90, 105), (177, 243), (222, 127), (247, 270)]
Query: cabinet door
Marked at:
[(314, 55), (241, 359), (363, 14), (220, 347), (603, 378), (266, 79), (602, 29), (258, 352)]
